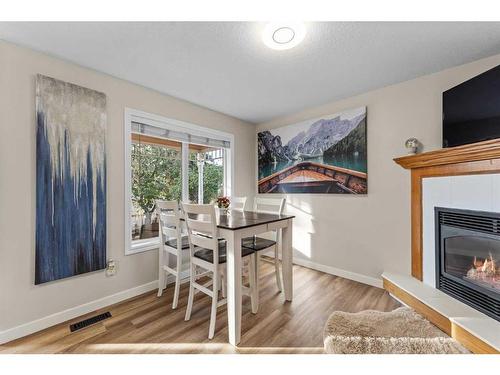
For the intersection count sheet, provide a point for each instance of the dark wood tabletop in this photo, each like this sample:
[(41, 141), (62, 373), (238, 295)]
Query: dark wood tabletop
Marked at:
[(238, 220)]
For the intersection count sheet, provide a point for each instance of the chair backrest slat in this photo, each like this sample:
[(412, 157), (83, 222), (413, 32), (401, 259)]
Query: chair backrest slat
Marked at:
[(169, 221), (199, 225), (201, 241), (274, 206), (269, 205), (238, 203), (169, 232), (202, 227)]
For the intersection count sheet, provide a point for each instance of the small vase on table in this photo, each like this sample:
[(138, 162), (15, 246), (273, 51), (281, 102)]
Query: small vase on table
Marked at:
[(223, 205)]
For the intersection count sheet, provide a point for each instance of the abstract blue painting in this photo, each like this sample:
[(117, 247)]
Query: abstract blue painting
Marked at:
[(70, 234)]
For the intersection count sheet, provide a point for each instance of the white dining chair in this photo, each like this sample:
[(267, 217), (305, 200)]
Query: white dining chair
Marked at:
[(208, 255), (238, 203), (262, 245), (172, 242)]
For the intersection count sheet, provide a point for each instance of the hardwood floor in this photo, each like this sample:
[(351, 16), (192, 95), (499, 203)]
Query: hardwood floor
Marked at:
[(147, 324)]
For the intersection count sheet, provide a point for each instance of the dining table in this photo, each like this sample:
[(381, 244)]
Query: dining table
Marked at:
[(235, 225)]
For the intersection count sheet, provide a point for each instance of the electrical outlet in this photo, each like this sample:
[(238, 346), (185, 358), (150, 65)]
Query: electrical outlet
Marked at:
[(111, 268)]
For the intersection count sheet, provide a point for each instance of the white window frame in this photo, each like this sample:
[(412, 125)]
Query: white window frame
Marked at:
[(134, 115)]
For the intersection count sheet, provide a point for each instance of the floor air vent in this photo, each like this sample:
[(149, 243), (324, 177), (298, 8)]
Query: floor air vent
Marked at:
[(89, 321)]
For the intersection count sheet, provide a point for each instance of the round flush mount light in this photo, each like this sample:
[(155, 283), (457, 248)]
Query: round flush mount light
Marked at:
[(281, 36)]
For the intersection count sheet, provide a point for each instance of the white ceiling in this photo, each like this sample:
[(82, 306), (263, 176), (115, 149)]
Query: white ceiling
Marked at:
[(226, 67)]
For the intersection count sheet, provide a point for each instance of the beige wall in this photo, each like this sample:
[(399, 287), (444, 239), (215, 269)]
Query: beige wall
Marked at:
[(370, 234), (20, 300)]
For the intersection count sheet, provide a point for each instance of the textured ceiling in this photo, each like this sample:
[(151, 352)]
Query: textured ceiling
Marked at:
[(226, 67)]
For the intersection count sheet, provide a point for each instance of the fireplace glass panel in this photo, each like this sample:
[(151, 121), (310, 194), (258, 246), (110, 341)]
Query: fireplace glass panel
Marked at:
[(473, 259)]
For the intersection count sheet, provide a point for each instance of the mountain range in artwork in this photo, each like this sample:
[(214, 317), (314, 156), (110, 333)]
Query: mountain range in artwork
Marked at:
[(70, 234), (326, 155)]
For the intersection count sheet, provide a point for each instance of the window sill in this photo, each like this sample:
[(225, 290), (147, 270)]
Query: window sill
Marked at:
[(140, 246)]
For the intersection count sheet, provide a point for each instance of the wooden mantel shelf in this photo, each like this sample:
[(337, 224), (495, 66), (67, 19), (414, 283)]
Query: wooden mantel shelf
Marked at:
[(486, 150)]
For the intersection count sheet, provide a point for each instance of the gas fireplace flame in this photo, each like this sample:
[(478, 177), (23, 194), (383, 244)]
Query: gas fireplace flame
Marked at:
[(477, 263), (488, 265), (485, 271)]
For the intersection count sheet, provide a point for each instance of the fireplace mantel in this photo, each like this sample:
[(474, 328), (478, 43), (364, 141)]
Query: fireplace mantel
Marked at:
[(477, 333), (487, 150), (477, 158)]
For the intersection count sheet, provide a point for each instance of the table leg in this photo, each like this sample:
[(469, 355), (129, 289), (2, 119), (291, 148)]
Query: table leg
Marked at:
[(253, 283), (257, 278), (287, 264), (233, 273)]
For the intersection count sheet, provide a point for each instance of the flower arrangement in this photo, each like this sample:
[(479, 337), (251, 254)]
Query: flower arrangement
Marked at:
[(223, 202)]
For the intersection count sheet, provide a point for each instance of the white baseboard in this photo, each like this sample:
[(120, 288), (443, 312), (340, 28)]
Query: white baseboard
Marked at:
[(73, 312), (339, 272)]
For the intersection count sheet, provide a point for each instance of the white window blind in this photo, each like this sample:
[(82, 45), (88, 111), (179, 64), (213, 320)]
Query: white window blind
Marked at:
[(179, 135)]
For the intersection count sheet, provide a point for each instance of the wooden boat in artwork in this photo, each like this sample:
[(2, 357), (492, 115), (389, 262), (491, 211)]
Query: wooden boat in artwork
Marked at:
[(310, 177)]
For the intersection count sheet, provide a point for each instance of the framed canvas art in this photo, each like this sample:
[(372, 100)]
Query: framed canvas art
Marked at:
[(70, 234), (326, 155)]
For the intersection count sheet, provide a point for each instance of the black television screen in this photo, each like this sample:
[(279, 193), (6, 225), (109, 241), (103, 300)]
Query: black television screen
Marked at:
[(471, 110)]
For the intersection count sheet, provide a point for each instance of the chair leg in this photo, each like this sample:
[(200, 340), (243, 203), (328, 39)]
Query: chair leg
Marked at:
[(177, 280), (213, 314), (257, 269), (161, 273), (277, 268), (253, 283), (224, 283), (166, 260), (191, 293)]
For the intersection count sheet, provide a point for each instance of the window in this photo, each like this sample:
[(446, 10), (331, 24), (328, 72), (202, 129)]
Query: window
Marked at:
[(172, 160)]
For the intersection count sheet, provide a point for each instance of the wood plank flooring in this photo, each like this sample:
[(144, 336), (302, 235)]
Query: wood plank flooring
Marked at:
[(147, 324)]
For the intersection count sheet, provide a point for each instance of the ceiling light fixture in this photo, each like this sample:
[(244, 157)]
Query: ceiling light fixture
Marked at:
[(281, 36)]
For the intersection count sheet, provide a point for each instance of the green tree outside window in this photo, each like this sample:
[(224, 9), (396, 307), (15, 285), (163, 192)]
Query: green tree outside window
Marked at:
[(156, 174)]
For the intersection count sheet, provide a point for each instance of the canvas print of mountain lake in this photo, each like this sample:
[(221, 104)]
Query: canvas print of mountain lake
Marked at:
[(327, 155)]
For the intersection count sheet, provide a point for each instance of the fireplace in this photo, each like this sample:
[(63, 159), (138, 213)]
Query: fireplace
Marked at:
[(468, 257)]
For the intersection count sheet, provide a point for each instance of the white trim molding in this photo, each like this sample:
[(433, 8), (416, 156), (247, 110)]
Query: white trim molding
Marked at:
[(339, 272), (139, 246), (73, 312)]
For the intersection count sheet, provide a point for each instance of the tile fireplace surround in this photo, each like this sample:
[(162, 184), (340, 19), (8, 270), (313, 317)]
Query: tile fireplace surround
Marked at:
[(464, 177)]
